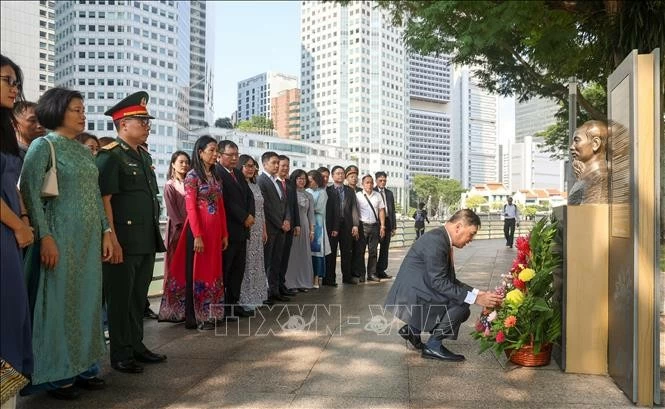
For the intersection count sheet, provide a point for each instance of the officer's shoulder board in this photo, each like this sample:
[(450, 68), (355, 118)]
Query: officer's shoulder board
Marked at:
[(110, 145)]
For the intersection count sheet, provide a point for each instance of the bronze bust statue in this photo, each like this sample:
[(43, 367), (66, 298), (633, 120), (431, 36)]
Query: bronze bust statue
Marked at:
[(588, 151)]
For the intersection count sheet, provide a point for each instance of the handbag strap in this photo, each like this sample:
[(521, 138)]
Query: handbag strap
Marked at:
[(50, 144), (371, 206)]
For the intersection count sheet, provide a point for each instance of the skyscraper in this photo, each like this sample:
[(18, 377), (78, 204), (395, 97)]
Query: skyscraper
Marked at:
[(531, 168), (533, 116), (431, 149), (255, 93), (475, 128), (354, 86), (108, 50), (201, 111), (27, 30)]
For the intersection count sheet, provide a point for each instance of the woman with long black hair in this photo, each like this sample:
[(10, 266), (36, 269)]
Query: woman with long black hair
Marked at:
[(15, 234), (194, 289)]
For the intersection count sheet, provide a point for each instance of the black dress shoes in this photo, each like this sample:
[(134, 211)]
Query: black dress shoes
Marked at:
[(352, 280), (279, 298), (384, 276), (411, 337), (372, 278), (149, 357), (329, 283), (68, 393), (442, 354), (127, 366), (91, 384), (241, 312), (205, 326), (149, 313), (287, 293)]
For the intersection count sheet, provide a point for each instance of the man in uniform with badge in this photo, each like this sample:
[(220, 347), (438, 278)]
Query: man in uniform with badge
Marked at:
[(129, 191)]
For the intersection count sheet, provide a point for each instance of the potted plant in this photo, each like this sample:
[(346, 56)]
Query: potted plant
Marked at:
[(528, 321)]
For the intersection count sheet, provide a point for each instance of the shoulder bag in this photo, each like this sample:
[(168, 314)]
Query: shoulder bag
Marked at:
[(50, 184)]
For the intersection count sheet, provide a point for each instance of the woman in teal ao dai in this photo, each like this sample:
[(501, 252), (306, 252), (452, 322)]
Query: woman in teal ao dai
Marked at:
[(64, 272)]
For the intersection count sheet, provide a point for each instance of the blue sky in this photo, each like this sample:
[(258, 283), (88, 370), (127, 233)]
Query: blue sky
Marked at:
[(252, 37)]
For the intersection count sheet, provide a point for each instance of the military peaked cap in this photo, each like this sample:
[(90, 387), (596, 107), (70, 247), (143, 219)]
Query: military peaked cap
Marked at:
[(135, 105)]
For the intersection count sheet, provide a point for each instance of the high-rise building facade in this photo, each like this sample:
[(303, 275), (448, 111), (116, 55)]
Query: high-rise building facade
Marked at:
[(201, 107), (532, 168), (109, 50), (533, 116), (27, 37), (255, 93), (430, 148), (354, 86), (285, 108), (475, 114)]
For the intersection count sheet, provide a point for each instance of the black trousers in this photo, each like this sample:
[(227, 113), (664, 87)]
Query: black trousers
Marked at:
[(286, 253), (272, 259), (358, 254), (384, 247), (126, 289), (371, 242), (343, 241), (234, 271), (509, 231)]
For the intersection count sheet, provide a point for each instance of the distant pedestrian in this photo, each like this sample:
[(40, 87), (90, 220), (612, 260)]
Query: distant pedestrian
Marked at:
[(420, 216), (511, 218)]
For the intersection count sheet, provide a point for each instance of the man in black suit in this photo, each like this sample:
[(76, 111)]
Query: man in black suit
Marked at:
[(239, 206), (293, 215), (391, 224), (342, 217), (427, 296), (274, 209), (358, 246)]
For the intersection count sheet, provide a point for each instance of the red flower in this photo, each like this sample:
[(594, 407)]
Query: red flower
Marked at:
[(519, 284), (522, 244), (479, 326), (500, 337)]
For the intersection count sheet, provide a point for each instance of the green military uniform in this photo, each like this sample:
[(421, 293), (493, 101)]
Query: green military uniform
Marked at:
[(127, 175)]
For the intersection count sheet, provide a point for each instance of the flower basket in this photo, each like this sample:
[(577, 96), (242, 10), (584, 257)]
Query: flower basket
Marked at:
[(526, 357), (529, 318)]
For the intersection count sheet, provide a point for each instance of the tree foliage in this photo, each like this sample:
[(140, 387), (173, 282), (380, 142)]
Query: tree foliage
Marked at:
[(255, 124), (224, 123), (532, 48), (474, 202), (555, 137), (447, 191)]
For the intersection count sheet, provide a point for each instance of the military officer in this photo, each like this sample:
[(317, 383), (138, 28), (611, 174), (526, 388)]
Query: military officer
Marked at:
[(129, 192)]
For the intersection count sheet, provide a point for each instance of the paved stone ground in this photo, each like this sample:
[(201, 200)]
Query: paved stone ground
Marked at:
[(340, 362)]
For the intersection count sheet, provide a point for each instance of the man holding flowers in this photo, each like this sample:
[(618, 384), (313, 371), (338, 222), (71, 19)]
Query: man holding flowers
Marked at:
[(426, 293)]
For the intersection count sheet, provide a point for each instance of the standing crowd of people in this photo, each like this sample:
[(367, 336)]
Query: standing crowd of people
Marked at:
[(80, 230)]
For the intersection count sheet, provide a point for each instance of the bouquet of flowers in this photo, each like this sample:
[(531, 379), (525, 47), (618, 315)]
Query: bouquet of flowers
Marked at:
[(529, 315)]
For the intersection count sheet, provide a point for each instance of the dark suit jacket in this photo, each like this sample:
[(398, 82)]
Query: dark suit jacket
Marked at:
[(426, 283), (274, 208), (349, 214), (238, 202), (390, 209), (293, 213)]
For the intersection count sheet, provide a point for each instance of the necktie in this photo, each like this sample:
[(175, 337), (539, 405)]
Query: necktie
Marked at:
[(385, 202), (233, 176), (340, 193), (284, 187)]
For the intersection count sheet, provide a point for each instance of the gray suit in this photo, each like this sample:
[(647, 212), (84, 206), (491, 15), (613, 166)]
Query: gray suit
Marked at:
[(426, 294)]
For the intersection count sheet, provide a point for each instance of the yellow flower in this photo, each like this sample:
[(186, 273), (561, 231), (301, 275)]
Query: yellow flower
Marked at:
[(527, 274), (515, 297)]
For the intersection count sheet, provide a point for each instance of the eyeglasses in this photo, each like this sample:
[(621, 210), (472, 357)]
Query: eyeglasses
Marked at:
[(143, 121), (231, 155), (248, 166), (12, 82)]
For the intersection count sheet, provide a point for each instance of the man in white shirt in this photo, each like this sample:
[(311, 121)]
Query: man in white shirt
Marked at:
[(373, 218), (511, 218)]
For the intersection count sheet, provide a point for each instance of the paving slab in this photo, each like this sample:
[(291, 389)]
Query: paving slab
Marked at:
[(337, 348)]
